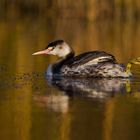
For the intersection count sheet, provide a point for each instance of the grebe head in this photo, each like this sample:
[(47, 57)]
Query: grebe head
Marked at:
[(57, 47)]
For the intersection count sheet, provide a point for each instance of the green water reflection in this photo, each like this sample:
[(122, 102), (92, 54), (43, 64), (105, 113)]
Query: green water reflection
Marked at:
[(32, 108)]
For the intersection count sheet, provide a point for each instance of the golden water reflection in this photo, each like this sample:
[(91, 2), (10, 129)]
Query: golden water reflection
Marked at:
[(32, 108)]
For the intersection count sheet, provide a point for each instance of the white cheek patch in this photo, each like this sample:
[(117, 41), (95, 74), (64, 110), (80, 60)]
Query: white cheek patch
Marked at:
[(53, 52), (61, 51)]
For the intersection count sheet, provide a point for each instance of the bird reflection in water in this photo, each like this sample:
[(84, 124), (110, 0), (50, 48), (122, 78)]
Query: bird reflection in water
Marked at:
[(98, 89), (55, 103)]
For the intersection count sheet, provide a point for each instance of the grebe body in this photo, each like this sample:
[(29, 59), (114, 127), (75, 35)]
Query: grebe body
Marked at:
[(89, 64)]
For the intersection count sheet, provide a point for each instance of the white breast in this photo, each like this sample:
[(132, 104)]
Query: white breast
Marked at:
[(49, 71)]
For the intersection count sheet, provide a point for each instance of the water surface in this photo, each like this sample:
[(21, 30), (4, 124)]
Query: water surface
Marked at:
[(33, 106)]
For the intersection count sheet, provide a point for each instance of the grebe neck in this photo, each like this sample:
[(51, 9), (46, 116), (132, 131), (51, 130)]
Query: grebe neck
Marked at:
[(65, 59), (56, 67)]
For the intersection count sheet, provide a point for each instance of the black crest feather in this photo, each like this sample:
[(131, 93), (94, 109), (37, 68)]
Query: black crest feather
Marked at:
[(55, 43)]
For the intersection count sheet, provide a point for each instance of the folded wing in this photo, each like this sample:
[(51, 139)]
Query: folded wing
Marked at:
[(91, 58)]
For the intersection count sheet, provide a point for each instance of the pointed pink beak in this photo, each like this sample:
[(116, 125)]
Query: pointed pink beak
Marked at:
[(42, 52)]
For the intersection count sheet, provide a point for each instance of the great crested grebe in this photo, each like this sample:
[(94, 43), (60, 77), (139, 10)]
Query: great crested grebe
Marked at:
[(89, 64)]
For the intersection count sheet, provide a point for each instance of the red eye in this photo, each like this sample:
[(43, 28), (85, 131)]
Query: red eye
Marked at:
[(60, 47)]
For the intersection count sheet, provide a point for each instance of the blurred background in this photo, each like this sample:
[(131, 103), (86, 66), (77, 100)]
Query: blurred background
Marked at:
[(29, 107), (27, 26)]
